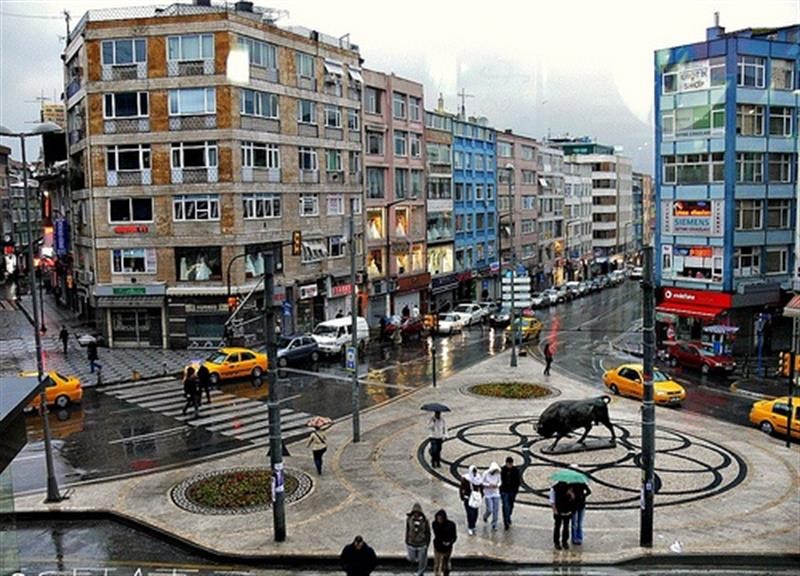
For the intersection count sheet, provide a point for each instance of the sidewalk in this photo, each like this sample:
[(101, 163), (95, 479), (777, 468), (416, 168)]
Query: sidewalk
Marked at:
[(724, 490)]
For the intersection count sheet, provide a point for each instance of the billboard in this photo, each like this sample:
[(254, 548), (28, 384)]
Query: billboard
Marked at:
[(692, 217)]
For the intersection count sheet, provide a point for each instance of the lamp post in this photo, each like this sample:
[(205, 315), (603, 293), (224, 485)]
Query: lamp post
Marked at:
[(356, 399), (510, 169), (53, 494)]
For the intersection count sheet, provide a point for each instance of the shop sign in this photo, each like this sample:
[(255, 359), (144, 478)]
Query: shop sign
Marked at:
[(440, 281), (129, 291), (697, 297), (206, 307), (413, 283), (341, 290), (308, 291), (464, 276), (61, 239), (130, 229), (694, 76), (693, 217)]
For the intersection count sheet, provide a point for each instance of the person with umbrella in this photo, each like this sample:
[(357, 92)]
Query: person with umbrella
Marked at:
[(437, 432), (581, 491), (318, 441), (562, 499)]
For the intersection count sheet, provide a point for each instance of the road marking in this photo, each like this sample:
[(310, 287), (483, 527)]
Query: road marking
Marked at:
[(151, 435)]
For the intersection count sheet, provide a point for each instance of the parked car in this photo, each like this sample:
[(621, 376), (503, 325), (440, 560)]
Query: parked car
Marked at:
[(59, 390), (573, 289), (333, 336), (772, 415), (627, 380), (500, 317), (409, 328), (231, 363), (584, 288), (488, 307), (554, 296), (539, 300), (694, 355), (636, 273), (471, 313), (617, 277), (527, 328), (450, 323), (298, 348)]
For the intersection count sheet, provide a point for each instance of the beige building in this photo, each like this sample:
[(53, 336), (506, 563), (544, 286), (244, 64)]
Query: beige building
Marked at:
[(200, 137)]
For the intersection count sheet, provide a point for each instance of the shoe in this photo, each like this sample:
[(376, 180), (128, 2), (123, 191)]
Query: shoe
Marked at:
[(565, 546), (558, 546), (494, 528), (576, 543), (507, 526), (471, 531)]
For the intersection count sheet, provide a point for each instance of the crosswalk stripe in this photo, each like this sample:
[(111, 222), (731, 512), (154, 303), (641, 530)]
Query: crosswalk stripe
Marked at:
[(149, 394), (217, 418), (137, 384), (261, 415), (264, 432), (287, 422), (216, 407), (177, 400)]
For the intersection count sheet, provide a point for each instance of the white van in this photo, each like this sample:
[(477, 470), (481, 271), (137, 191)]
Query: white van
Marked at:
[(333, 336)]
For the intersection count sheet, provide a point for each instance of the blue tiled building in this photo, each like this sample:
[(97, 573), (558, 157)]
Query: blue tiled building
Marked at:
[(475, 206), (726, 178)]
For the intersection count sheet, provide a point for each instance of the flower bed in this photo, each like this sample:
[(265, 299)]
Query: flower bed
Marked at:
[(237, 489), (510, 390)]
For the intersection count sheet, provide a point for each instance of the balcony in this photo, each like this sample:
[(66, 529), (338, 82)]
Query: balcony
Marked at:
[(307, 83), (76, 136), (260, 124), (333, 133), (310, 130), (250, 174), (354, 136), (191, 67), (203, 122), (309, 176), (126, 125), (129, 177), (194, 175), (355, 177), (332, 88), (267, 74), (125, 72), (73, 87)]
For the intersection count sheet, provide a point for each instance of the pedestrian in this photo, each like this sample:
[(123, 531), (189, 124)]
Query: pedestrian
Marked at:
[(581, 491), (491, 493), (406, 311), (191, 392), (204, 381), (358, 558), (444, 536), (418, 537), (64, 337), (382, 323), (509, 487), (548, 358), (437, 432), (415, 312), (91, 353), (471, 492), (318, 442), (339, 313), (562, 499)]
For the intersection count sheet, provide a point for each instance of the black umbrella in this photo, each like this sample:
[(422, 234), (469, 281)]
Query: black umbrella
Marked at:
[(434, 407)]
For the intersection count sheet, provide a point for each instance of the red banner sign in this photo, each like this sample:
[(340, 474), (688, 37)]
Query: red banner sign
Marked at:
[(696, 297), (137, 229), (341, 290)]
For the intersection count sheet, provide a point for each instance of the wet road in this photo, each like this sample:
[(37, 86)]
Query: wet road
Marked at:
[(100, 548)]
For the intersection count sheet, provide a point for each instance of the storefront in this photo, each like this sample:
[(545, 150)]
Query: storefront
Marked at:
[(377, 301), (339, 298), (310, 307), (133, 315), (466, 286), (443, 292), (682, 314), (412, 291)]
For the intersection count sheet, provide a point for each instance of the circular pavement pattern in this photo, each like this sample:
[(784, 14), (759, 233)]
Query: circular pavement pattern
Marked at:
[(179, 492), (688, 467)]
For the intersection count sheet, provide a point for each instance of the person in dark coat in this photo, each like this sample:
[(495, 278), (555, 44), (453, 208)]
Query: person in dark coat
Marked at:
[(191, 392), (91, 354), (509, 487), (581, 491), (204, 380), (358, 558), (64, 337), (444, 536), (548, 358), (562, 499)]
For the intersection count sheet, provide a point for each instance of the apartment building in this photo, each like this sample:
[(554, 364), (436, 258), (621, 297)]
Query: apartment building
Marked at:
[(641, 200), (440, 222), (474, 206), (201, 137), (726, 177), (552, 272), (577, 218), (394, 161), (8, 262)]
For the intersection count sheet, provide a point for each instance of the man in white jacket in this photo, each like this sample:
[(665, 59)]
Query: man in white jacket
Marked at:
[(437, 432)]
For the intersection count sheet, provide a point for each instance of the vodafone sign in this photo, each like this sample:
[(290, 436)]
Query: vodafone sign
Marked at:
[(696, 297)]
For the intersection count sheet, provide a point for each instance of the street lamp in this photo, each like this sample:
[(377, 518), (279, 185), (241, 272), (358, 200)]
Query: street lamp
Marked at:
[(53, 494), (510, 169)]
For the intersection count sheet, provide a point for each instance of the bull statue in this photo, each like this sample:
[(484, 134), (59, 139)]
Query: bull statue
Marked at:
[(564, 416)]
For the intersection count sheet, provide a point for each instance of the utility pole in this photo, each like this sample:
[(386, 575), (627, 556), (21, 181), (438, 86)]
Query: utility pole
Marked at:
[(354, 325), (514, 327), (648, 406), (273, 404)]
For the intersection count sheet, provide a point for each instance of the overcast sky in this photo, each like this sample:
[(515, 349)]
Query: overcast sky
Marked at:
[(577, 67)]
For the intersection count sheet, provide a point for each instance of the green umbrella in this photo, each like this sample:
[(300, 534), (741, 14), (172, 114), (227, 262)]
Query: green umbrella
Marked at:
[(569, 476)]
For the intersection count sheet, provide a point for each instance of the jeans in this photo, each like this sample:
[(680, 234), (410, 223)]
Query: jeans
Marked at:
[(472, 515), (577, 526), (561, 525), (492, 508), (318, 459), (508, 507), (418, 555), (436, 452), (441, 563), (547, 361), (94, 365)]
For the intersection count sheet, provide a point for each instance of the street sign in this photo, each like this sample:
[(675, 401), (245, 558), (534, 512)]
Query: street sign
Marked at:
[(350, 359)]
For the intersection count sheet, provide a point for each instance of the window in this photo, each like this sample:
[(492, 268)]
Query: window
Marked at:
[(529, 202), (194, 155), (415, 144), (375, 143), (305, 65), (335, 205), (260, 53), (468, 223), (458, 160), (375, 182), (686, 169), (124, 52), (414, 109), (438, 122), (353, 121), (775, 260), (307, 159), (528, 177), (374, 223), (780, 121), (259, 155), (479, 161), (336, 246), (747, 261), (309, 205), (261, 205), (400, 183), (505, 149), (693, 121), (133, 260), (125, 105), (198, 264), (489, 192), (480, 221), (187, 207), (528, 153), (192, 101), (306, 112), (401, 222), (416, 183), (190, 47), (333, 116), (400, 146), (749, 120), (314, 251), (780, 167), (399, 105), (333, 160), (372, 100), (130, 210), (354, 162), (438, 153), (131, 158), (748, 214), (778, 213), (262, 104), (459, 192), (782, 74), (478, 191), (750, 71), (750, 167), (355, 205)]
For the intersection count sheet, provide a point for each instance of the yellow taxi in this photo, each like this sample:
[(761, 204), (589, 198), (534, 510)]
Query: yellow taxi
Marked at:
[(772, 415), (60, 390), (231, 363), (527, 327), (627, 380)]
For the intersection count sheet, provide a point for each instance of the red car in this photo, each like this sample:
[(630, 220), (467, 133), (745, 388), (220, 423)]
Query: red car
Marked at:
[(410, 328), (694, 355)]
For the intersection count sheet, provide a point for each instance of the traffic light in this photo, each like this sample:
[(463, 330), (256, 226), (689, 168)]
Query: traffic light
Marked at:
[(784, 363), (233, 303), (297, 243)]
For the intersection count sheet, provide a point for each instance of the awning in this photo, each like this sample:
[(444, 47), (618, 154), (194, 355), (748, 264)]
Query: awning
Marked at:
[(355, 74), (689, 310), (130, 301), (333, 67), (792, 309)]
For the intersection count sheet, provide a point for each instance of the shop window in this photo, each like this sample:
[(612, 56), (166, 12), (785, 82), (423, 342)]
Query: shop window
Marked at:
[(133, 261), (254, 259), (401, 222), (374, 224), (375, 264), (198, 264)]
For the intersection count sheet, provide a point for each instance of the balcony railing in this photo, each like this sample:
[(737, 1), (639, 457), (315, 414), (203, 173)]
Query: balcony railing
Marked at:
[(268, 74), (126, 72), (309, 176), (126, 125), (190, 68), (129, 177), (194, 175), (334, 133), (260, 124), (251, 174), (193, 122)]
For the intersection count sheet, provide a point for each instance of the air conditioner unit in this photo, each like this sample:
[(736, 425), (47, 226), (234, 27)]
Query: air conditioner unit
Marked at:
[(331, 79), (335, 176)]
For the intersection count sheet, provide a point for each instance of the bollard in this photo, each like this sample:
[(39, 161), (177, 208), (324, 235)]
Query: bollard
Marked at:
[(99, 380)]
